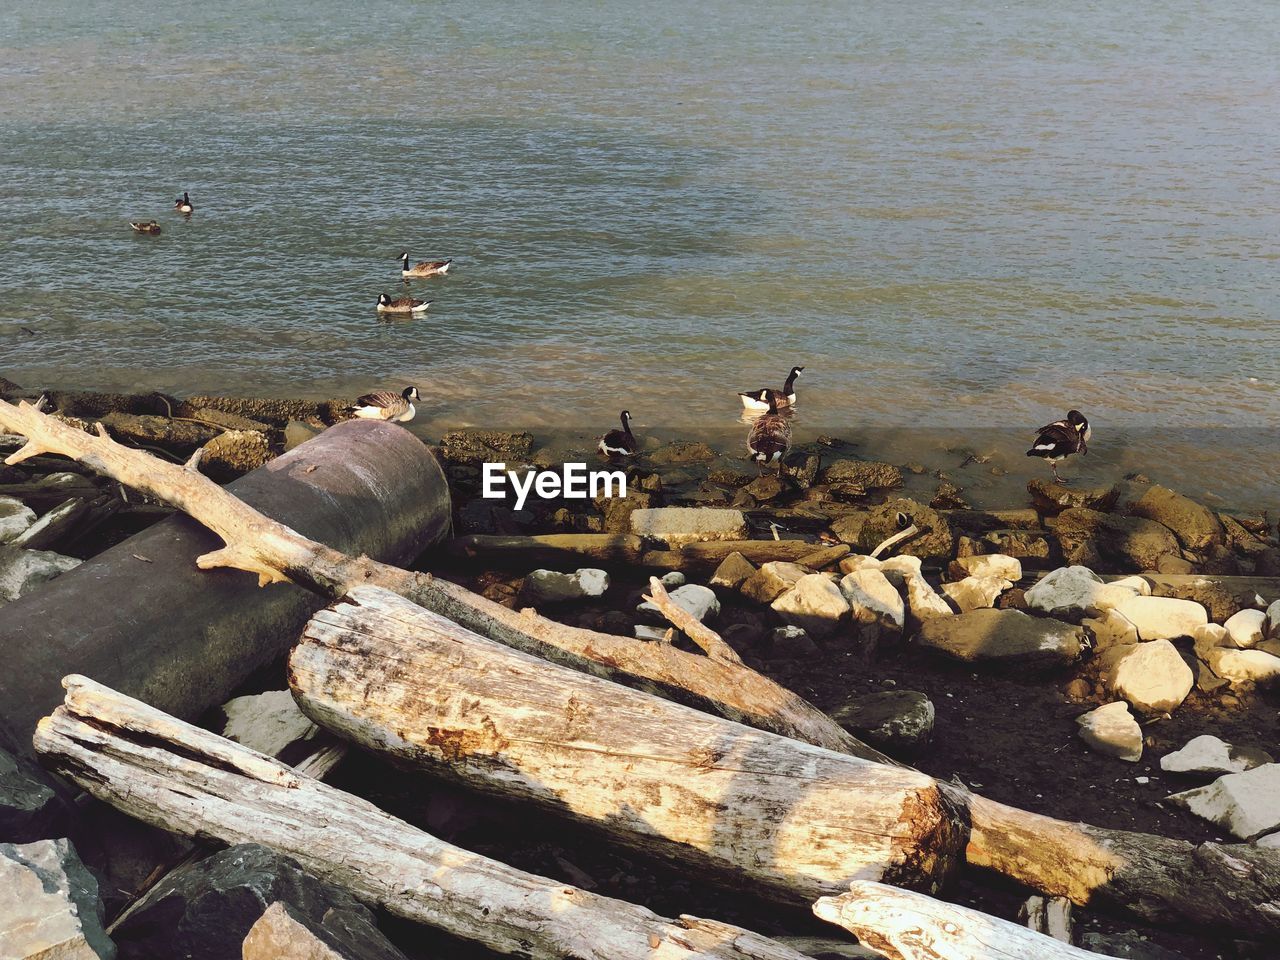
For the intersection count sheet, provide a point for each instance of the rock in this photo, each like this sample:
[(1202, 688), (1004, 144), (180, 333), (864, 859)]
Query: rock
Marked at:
[(766, 487), (900, 722), (700, 602), (947, 497), (1151, 676), (1111, 629), (1208, 755), (1195, 525), (1003, 636), (676, 526), (205, 911), (178, 435), (49, 905), (1207, 637), (1271, 622), (618, 510), (682, 451), (1125, 945), (1078, 689), (29, 807), (297, 432), (1222, 599), (549, 586), (772, 580), (867, 474), (1163, 618), (235, 453), (284, 933), (672, 579), (976, 593), (1056, 496), (1245, 628), (815, 604), (792, 643), (1139, 585), (990, 565), (848, 529), (802, 469), (733, 570), (15, 517), (1112, 731), (934, 540), (923, 602), (23, 570), (874, 604), (1271, 840), (1070, 593), (486, 446), (1127, 542), (1175, 565), (51, 528), (266, 722), (1247, 805), (653, 634), (824, 557), (1244, 666)]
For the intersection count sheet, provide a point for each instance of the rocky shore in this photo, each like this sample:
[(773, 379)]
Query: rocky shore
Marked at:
[(1108, 654)]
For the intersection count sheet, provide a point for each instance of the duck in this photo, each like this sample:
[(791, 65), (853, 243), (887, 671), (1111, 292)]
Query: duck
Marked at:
[(385, 405), (150, 227), (1058, 440), (183, 203), (786, 397), (402, 304), (619, 443), (770, 436), (424, 268)]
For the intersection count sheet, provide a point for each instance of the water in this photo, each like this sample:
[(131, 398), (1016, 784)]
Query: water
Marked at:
[(960, 218)]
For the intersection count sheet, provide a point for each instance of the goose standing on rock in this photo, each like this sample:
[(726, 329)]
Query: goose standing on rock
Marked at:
[(385, 405), (424, 268), (1058, 440), (619, 443), (770, 436), (786, 397), (183, 203), (402, 304)]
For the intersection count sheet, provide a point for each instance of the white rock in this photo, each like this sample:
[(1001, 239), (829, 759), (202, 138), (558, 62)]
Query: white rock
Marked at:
[(551, 586), (872, 597), (1207, 754), (1271, 626), (1164, 618), (992, 565), (897, 570), (1151, 676), (1075, 592), (1139, 585), (923, 602), (1245, 804), (23, 570), (680, 525), (15, 517), (1271, 840), (1112, 730), (49, 906), (266, 722), (1207, 637), (1245, 628), (1243, 666), (814, 603), (1111, 629), (650, 633), (672, 579), (699, 601), (976, 593)]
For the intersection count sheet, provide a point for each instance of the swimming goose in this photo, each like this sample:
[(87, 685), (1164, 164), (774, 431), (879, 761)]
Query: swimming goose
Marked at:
[(150, 227), (183, 203), (1058, 440), (402, 304), (770, 436), (385, 405), (786, 397), (619, 443), (424, 268)]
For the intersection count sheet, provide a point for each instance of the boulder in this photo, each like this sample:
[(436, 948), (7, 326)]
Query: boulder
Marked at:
[(1021, 544), (285, 933), (1271, 622), (766, 487), (792, 643), (204, 911), (1126, 542), (15, 517), (29, 807), (1112, 731), (1003, 636), (682, 451), (651, 634), (267, 722), (1211, 756), (1163, 618), (486, 446), (49, 905), (1071, 593), (673, 579), (923, 602), (676, 526), (1244, 666), (867, 474), (1223, 599), (848, 528), (297, 432), (1195, 525), (549, 586), (1151, 676), (1246, 805), (1245, 628), (990, 565), (1054, 497), (1207, 637), (234, 453), (733, 571), (934, 540), (1110, 629), (976, 593), (772, 580), (802, 469), (815, 604), (900, 722), (700, 602), (23, 570), (874, 604), (147, 430)]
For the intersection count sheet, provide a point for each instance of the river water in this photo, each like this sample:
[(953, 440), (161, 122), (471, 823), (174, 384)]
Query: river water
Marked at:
[(962, 219)]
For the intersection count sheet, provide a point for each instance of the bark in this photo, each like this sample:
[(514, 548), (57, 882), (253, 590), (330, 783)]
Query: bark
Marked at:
[(911, 926), (190, 781)]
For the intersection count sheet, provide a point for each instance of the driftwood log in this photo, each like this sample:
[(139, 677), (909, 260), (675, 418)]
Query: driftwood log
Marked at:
[(911, 926), (180, 778), (668, 780), (1230, 887)]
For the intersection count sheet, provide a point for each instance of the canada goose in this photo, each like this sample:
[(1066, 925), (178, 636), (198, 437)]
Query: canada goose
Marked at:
[(786, 397), (770, 436), (424, 268), (385, 405), (619, 443), (402, 304), (183, 203), (1058, 440), (149, 227)]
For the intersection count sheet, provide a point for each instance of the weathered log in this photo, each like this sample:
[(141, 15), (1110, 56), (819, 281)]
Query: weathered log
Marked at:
[(549, 549), (694, 557), (189, 781), (659, 777), (911, 926)]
